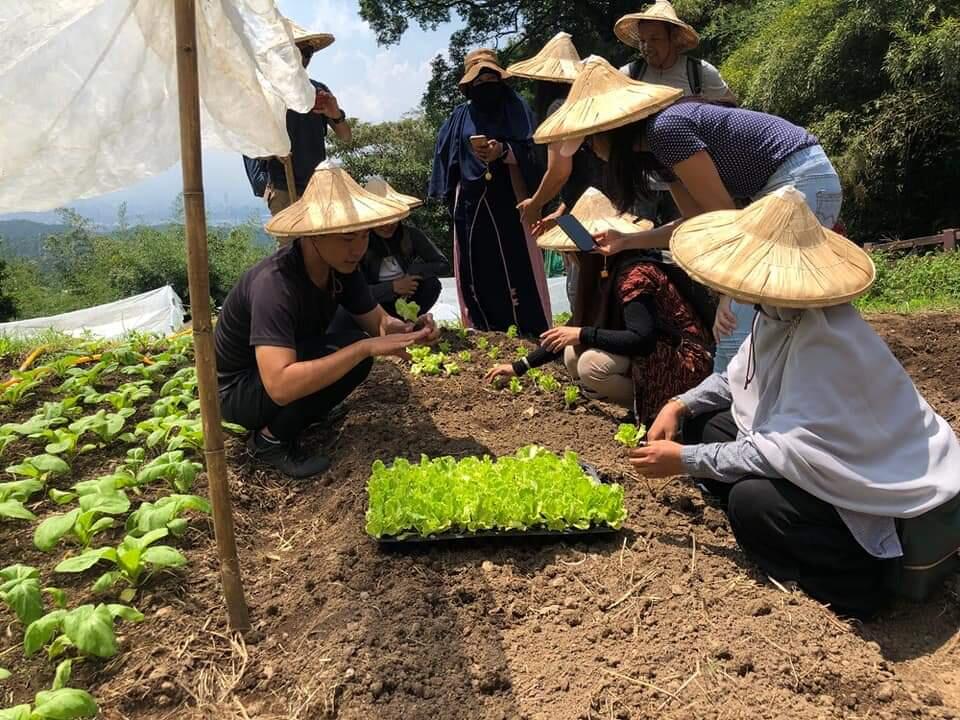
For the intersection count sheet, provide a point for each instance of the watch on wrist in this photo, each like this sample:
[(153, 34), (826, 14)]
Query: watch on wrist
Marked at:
[(338, 120)]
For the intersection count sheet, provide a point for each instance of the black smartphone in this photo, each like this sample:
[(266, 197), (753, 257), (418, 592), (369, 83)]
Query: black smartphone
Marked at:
[(575, 230)]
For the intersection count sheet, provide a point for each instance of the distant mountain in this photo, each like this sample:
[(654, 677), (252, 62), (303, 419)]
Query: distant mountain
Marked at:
[(23, 238)]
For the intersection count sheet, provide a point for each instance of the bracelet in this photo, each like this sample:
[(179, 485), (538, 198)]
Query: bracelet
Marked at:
[(337, 121)]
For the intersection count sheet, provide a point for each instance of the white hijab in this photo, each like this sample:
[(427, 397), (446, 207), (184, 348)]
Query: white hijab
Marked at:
[(833, 411)]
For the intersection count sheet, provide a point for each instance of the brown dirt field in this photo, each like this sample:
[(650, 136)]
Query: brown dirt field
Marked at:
[(666, 619)]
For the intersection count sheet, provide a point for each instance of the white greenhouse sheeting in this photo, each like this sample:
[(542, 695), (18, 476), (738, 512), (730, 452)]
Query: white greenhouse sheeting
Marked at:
[(447, 308), (158, 311), (88, 92)]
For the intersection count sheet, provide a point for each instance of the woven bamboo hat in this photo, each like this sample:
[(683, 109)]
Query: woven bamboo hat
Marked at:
[(476, 62), (334, 203), (774, 252), (558, 61), (596, 213), (315, 41), (603, 98), (381, 188), (627, 28)]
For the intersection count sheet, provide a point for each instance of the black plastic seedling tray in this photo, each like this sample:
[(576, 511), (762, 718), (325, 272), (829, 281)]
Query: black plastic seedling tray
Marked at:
[(393, 541)]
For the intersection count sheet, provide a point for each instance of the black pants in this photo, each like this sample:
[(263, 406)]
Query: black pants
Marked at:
[(793, 535), (426, 297), (247, 403)]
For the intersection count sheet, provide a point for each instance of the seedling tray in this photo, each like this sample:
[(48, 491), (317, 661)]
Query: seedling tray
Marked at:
[(599, 530)]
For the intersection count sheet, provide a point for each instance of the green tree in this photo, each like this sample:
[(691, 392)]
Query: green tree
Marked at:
[(402, 153), (8, 308)]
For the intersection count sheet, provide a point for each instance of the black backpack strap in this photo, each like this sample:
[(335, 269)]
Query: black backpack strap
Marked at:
[(694, 75), (637, 69)]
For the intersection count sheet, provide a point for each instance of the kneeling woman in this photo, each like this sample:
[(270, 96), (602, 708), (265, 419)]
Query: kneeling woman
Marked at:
[(402, 262), (281, 368), (633, 340), (836, 473)]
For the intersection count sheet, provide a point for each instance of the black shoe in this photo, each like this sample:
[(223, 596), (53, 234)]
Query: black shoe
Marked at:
[(287, 457)]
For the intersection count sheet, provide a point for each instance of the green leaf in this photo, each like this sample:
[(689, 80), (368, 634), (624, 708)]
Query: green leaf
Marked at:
[(50, 464), (107, 581), (14, 510), (49, 532), (24, 598), (60, 497), (18, 712), (128, 595), (65, 704), (91, 630), (125, 612), (629, 435), (409, 311), (40, 632), (62, 677), (162, 556), (24, 470), (4, 674), (59, 647), (58, 596), (85, 561)]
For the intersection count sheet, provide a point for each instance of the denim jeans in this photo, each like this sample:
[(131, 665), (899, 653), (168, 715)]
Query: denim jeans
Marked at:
[(810, 171)]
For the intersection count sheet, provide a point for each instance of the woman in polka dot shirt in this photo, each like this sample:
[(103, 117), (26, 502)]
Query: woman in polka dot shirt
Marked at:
[(713, 158)]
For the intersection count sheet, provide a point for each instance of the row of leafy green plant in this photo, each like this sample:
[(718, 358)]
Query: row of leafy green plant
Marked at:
[(164, 447)]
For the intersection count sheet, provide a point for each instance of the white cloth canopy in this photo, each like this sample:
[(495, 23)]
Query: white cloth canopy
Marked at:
[(88, 92)]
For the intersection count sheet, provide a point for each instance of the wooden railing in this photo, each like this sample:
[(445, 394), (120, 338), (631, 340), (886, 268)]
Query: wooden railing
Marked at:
[(947, 240)]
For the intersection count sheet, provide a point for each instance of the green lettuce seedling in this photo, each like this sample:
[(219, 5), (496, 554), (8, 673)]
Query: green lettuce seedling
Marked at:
[(88, 629), (58, 703), (548, 383), (21, 592), (522, 352), (515, 386), (409, 311), (174, 468), (165, 513), (494, 352), (482, 343), (512, 332), (571, 393), (464, 356), (444, 347), (630, 435), (14, 495), (84, 523)]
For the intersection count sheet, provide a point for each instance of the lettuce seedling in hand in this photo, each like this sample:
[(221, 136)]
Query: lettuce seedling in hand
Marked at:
[(630, 435), (407, 310)]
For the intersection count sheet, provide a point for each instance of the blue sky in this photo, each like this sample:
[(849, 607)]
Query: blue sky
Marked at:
[(372, 83)]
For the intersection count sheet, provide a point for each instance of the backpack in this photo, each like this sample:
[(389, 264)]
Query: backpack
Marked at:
[(638, 68)]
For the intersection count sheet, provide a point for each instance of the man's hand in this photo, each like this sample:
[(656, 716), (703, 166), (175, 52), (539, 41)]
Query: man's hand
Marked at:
[(556, 339), (497, 371), (326, 104), (394, 343), (427, 322), (657, 459), (667, 424), (407, 285)]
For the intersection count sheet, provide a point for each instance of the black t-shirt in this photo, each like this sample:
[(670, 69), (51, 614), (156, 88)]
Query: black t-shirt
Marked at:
[(308, 133), (275, 303)]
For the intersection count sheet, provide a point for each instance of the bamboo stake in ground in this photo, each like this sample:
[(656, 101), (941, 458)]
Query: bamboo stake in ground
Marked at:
[(291, 182), (198, 274)]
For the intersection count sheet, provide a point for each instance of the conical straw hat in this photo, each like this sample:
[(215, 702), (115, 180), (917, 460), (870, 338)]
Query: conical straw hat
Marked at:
[(773, 252), (334, 203), (558, 61), (316, 41), (381, 188), (476, 62), (603, 98), (627, 27), (596, 213)]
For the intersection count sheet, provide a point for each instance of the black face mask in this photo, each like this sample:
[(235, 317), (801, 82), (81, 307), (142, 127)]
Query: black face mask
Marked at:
[(488, 96)]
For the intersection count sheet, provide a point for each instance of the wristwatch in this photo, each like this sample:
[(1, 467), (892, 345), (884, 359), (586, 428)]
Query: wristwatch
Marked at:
[(337, 121)]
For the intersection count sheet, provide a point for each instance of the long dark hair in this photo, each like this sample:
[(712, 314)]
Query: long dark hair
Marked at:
[(545, 93), (627, 178)]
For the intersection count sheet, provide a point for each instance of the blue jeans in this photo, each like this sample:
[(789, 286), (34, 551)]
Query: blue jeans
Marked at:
[(810, 171)]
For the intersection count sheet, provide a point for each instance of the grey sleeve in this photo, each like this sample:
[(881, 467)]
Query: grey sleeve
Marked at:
[(712, 394), (726, 462), (714, 86)]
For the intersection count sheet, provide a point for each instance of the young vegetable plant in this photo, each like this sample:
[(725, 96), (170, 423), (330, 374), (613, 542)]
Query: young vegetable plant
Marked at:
[(451, 368), (522, 352), (482, 343), (512, 332), (128, 395), (515, 386), (165, 513), (134, 560), (630, 435), (27, 382), (106, 426), (84, 523), (40, 468), (13, 496), (547, 383), (183, 382), (465, 356), (444, 347), (409, 311), (494, 352), (172, 467), (20, 591), (65, 442), (571, 393), (60, 702), (88, 629)]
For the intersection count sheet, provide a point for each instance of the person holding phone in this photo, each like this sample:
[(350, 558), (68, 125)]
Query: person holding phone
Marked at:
[(634, 339), (307, 131), (402, 262), (281, 369), (483, 166)]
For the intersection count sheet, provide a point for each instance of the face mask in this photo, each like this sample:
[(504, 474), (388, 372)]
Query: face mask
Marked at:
[(487, 96)]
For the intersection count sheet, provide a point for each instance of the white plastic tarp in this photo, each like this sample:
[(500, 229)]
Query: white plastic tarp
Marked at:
[(447, 308), (88, 92), (158, 311)]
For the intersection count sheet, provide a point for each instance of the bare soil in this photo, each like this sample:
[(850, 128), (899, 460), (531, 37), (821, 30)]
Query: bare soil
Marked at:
[(666, 619)]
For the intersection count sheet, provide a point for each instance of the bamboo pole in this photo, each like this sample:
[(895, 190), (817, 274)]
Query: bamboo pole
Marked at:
[(291, 183), (198, 274)]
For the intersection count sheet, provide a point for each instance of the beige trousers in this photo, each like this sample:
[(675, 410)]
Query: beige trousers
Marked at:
[(602, 375)]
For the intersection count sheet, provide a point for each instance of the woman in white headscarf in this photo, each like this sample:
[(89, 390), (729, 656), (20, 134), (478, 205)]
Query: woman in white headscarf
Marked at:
[(836, 472)]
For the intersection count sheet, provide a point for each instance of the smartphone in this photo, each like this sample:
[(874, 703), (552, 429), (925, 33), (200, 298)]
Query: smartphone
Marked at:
[(575, 230), (479, 141)]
